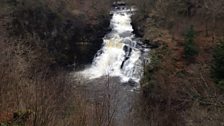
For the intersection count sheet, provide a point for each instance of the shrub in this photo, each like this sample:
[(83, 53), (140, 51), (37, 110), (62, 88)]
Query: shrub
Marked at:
[(218, 64), (190, 47)]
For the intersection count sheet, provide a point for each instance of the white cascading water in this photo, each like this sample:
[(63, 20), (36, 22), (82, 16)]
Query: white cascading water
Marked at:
[(119, 55)]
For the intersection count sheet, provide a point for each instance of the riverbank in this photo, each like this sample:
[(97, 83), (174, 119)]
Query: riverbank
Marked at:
[(61, 31), (38, 44), (183, 91)]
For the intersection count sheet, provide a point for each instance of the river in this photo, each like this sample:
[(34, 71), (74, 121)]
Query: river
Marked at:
[(113, 77)]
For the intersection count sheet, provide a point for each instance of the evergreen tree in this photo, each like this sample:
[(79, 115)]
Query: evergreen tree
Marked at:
[(190, 48)]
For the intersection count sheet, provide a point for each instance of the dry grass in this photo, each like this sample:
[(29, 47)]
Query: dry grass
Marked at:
[(35, 91), (43, 96)]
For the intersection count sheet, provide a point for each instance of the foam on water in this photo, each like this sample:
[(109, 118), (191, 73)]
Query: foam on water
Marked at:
[(118, 55)]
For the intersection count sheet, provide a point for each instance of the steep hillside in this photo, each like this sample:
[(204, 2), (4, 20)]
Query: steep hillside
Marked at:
[(179, 77)]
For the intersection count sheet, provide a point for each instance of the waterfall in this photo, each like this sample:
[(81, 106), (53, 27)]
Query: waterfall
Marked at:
[(121, 54)]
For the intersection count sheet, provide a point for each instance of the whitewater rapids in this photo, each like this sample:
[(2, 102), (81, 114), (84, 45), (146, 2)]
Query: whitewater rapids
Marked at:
[(120, 55)]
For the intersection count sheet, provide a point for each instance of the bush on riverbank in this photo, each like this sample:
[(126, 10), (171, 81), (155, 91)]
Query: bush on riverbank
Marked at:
[(218, 65)]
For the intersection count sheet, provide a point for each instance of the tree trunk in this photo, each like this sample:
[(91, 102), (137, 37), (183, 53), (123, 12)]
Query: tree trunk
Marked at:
[(206, 28), (214, 26)]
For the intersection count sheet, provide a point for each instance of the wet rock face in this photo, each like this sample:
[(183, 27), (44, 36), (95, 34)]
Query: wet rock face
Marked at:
[(119, 4), (92, 37), (153, 44), (138, 29), (147, 28)]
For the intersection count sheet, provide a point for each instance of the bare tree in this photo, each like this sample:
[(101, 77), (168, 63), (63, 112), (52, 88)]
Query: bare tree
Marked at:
[(214, 9)]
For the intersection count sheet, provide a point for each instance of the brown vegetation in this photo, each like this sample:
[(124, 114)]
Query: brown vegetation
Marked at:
[(171, 83), (36, 90)]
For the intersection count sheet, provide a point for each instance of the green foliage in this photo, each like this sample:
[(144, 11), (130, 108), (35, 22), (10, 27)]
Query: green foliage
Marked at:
[(220, 84), (190, 47), (218, 64), (3, 124), (149, 83), (19, 119)]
